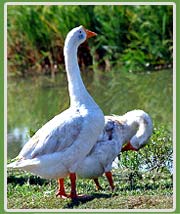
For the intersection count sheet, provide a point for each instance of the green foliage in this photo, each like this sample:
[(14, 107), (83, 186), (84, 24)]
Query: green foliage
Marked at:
[(150, 37), (136, 37), (151, 163), (157, 154)]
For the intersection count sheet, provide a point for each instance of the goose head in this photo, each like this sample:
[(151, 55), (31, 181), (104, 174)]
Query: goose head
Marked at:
[(77, 36)]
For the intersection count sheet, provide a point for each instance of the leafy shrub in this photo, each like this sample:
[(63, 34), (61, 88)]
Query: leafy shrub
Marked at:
[(136, 37), (155, 158)]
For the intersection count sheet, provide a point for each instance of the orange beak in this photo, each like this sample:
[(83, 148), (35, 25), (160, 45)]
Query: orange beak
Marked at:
[(89, 33), (128, 147)]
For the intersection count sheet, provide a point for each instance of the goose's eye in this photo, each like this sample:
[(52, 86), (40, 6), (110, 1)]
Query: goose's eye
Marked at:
[(81, 36)]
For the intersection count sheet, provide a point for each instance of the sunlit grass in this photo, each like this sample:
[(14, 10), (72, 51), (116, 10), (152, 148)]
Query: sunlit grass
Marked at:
[(37, 193)]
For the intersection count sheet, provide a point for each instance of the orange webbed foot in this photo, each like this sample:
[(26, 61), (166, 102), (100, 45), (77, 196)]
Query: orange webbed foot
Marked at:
[(62, 195)]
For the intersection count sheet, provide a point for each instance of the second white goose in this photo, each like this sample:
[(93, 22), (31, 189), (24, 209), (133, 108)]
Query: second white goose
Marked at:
[(132, 129)]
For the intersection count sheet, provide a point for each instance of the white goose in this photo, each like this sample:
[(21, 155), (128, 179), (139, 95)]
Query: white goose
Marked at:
[(134, 128), (61, 144)]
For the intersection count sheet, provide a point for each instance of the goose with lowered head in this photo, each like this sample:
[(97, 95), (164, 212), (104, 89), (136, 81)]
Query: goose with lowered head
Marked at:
[(59, 146), (130, 131)]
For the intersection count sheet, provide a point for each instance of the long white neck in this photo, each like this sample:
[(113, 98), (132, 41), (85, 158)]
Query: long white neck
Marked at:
[(77, 91)]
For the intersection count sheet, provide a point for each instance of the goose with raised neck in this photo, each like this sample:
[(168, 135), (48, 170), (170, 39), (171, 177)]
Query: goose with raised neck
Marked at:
[(78, 93), (59, 146)]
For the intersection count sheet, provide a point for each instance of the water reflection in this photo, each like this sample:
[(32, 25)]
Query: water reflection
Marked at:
[(33, 101), (16, 140)]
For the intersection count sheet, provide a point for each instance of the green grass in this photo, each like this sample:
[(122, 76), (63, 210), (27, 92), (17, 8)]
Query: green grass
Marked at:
[(30, 192)]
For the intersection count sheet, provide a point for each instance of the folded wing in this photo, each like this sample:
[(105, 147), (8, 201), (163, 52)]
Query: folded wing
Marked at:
[(56, 135)]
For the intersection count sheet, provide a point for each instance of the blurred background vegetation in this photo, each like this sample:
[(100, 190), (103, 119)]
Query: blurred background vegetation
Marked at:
[(137, 38)]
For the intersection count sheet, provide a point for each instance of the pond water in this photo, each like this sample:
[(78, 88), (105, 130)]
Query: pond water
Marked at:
[(35, 100)]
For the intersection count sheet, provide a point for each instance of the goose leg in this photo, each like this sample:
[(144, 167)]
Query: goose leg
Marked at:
[(73, 193), (61, 191), (110, 180), (98, 186)]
